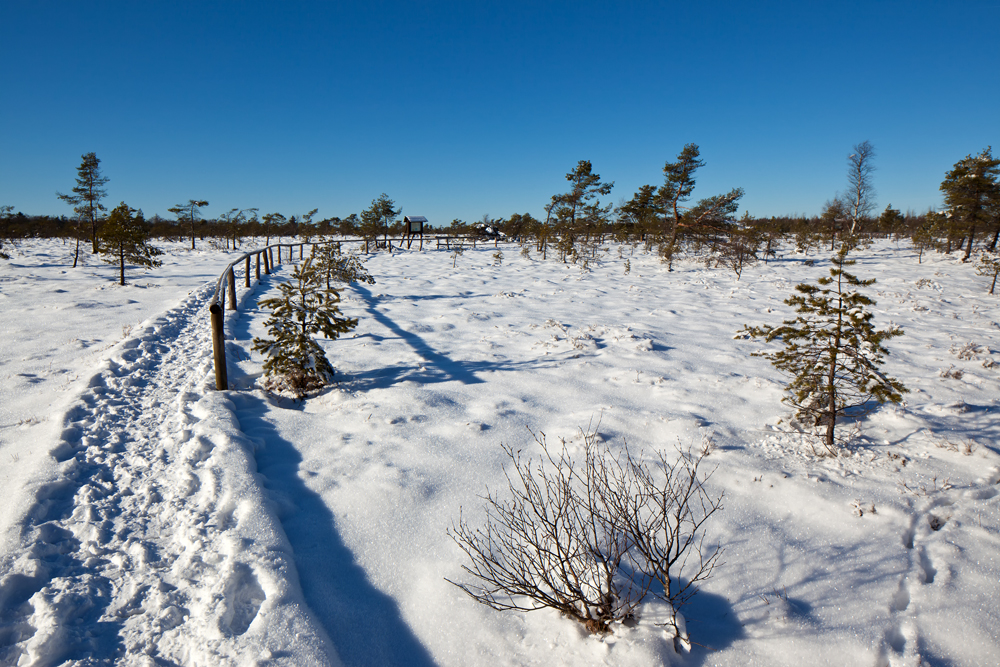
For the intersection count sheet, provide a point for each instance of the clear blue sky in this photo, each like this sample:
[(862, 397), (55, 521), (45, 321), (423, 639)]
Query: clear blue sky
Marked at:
[(459, 109)]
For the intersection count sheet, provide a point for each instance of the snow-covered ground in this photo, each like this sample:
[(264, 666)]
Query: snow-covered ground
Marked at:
[(151, 520)]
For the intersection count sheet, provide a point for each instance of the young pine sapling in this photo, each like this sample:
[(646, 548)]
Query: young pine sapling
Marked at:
[(335, 266), (123, 239), (989, 266), (832, 350), (295, 361)]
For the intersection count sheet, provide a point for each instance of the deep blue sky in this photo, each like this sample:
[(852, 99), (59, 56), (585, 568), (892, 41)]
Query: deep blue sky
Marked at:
[(459, 109)]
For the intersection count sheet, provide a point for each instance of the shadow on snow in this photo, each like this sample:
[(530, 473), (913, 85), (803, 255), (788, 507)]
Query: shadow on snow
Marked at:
[(363, 622)]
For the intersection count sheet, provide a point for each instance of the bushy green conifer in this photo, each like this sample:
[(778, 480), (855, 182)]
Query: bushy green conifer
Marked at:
[(123, 239), (972, 193), (378, 219), (334, 265), (832, 350), (295, 361), (924, 235)]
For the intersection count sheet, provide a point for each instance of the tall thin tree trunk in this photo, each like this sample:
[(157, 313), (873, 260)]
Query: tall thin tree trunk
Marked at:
[(968, 247), (832, 373), (93, 223)]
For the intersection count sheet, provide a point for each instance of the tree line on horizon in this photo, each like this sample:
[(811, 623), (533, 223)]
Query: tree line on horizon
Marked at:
[(661, 218)]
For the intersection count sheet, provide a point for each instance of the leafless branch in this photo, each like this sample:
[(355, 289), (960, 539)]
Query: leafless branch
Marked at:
[(560, 538)]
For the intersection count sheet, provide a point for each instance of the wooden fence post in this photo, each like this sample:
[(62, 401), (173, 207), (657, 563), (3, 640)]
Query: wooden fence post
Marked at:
[(301, 246), (258, 266), (219, 347), (247, 272), (231, 279)]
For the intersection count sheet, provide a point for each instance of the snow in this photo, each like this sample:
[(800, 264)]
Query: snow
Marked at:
[(152, 520)]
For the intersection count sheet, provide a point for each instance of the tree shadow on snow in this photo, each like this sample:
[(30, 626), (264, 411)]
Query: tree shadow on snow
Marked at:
[(451, 370), (364, 623), (711, 622), (386, 376), (961, 421), (438, 367), (712, 625)]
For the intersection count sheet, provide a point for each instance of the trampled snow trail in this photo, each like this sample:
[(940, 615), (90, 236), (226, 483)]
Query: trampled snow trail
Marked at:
[(154, 543)]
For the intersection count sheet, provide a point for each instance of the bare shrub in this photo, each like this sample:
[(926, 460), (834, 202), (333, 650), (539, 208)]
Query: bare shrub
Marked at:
[(552, 544), (969, 351), (562, 534), (951, 373), (664, 519)]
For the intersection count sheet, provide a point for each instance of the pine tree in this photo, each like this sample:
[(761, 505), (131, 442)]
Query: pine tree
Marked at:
[(272, 222), (677, 188), (832, 350), (640, 215), (124, 239), (332, 264), (892, 221), (86, 198), (189, 212), (923, 236), (989, 266), (5, 228), (306, 228), (579, 211), (972, 193), (234, 222), (832, 220), (295, 361), (379, 217)]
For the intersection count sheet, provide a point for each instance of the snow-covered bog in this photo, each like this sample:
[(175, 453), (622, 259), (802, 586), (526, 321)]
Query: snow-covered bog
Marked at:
[(152, 520)]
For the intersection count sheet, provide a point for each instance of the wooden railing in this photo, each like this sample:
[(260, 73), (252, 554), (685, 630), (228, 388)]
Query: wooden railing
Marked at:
[(225, 287)]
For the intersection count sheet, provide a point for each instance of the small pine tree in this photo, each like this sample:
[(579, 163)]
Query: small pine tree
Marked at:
[(989, 266), (832, 350), (891, 221), (124, 239), (295, 361), (378, 218), (5, 217), (332, 264), (923, 236)]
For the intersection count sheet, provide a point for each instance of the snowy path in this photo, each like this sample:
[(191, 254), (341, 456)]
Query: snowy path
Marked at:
[(154, 543)]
